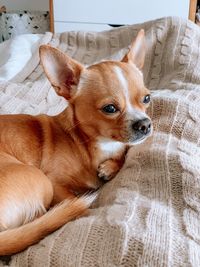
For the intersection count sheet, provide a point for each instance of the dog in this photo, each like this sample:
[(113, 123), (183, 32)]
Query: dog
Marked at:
[(48, 164)]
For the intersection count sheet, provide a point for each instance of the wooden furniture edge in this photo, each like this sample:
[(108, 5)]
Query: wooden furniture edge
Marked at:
[(192, 10), (51, 16)]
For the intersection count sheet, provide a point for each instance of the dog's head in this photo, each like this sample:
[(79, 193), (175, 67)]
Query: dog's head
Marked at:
[(109, 99)]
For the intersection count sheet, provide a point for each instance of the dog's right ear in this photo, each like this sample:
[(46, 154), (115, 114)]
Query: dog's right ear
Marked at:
[(137, 51), (62, 71)]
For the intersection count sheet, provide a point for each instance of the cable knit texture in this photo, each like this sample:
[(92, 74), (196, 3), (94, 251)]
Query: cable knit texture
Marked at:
[(149, 215)]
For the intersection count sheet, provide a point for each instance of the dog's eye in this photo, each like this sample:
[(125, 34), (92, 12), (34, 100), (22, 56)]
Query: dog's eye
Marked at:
[(146, 99), (109, 109)]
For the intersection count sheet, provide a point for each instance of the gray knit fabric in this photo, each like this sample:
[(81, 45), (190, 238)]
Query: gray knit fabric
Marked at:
[(149, 215)]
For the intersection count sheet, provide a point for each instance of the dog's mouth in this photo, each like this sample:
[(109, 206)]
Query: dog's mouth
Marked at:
[(139, 138), (135, 138), (129, 135)]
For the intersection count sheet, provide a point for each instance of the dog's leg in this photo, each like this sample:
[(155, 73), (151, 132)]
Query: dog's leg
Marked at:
[(61, 193), (25, 192), (108, 169)]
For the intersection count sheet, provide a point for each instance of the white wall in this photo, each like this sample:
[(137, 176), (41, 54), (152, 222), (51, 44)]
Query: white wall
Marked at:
[(42, 5)]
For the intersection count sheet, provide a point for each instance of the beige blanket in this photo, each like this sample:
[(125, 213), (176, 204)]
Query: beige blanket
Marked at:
[(149, 215)]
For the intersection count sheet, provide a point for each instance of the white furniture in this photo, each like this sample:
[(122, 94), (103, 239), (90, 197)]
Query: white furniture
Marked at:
[(98, 15)]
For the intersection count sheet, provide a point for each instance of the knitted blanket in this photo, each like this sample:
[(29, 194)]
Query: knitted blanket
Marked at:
[(149, 215)]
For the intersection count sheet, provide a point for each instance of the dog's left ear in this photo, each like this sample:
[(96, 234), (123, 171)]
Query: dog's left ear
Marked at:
[(62, 71), (137, 51)]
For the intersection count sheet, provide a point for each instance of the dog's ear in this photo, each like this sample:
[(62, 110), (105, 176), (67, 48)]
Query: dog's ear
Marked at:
[(137, 51), (62, 71)]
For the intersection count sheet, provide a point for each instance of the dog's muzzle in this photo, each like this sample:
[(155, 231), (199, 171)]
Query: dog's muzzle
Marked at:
[(141, 129)]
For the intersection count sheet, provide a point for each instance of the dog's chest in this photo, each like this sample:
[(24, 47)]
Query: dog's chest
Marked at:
[(79, 170), (108, 148)]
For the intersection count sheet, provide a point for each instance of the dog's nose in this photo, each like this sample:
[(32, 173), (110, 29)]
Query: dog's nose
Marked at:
[(143, 126)]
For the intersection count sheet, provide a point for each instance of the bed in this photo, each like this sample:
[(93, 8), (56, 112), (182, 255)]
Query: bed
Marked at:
[(149, 215)]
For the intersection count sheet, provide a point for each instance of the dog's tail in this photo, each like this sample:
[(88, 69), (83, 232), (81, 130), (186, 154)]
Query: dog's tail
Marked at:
[(18, 239)]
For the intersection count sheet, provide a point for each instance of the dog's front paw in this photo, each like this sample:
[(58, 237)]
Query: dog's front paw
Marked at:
[(108, 169)]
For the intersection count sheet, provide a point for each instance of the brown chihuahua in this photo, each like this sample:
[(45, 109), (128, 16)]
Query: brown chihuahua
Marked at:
[(49, 160)]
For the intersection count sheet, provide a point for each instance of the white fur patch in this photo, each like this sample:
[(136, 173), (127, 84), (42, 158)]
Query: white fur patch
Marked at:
[(124, 85), (13, 214), (132, 113), (90, 198), (109, 147)]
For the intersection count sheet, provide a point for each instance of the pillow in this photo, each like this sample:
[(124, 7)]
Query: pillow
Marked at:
[(21, 22)]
